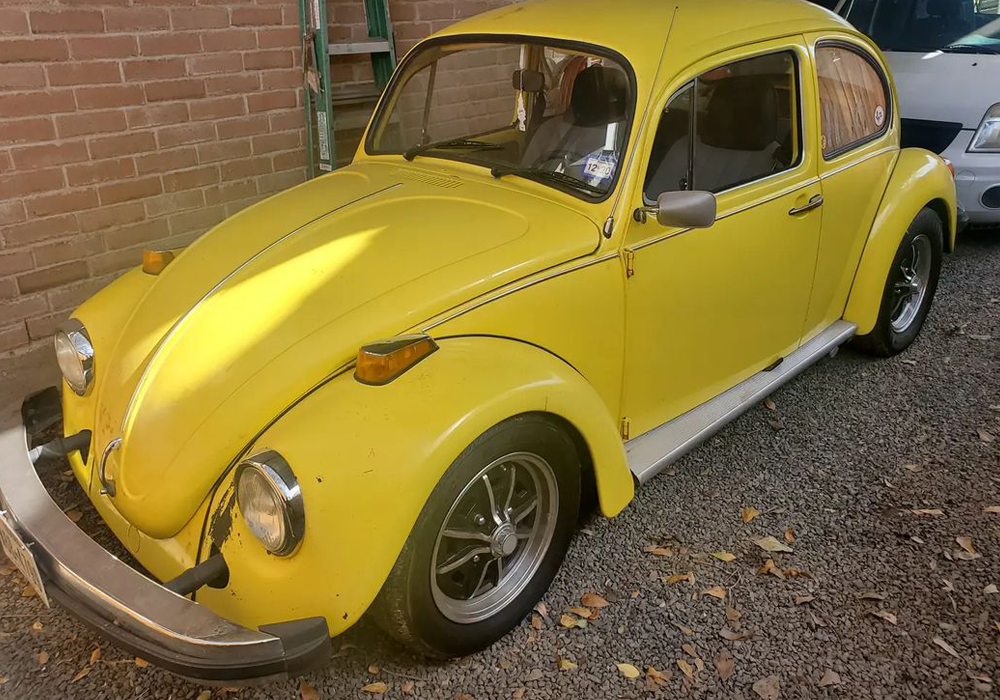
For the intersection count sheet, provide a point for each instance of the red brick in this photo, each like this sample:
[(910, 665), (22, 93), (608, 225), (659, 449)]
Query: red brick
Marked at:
[(136, 234), (23, 50), (170, 136), (166, 161), (50, 154), (50, 277), (13, 22), (12, 263), (230, 192), (87, 73), (13, 337), (6, 165), (122, 144), (66, 22), (215, 63), (278, 182), (12, 212), (39, 229), (41, 327), (232, 84), (22, 130), (136, 18), (22, 77), (108, 96), (61, 202), (248, 167), (169, 44), (190, 179), (75, 248), (19, 309), (187, 88), (279, 38), (8, 288), (266, 101), (238, 206), (20, 184), (129, 190), (287, 121), (71, 296), (87, 123), (115, 261), (234, 128), (197, 220), (280, 79), (100, 171), (269, 143), (154, 69), (157, 115), (223, 150), (174, 202), (256, 16), (103, 47), (199, 18), (260, 60), (229, 40), (218, 108), (290, 160), (27, 104), (109, 217)]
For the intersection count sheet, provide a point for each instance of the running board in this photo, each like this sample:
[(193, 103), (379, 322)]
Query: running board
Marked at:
[(653, 451)]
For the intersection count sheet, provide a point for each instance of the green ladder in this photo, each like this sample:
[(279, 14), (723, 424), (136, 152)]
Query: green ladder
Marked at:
[(320, 95)]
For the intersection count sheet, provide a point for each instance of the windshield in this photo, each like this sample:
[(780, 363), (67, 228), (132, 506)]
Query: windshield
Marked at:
[(550, 113), (958, 26)]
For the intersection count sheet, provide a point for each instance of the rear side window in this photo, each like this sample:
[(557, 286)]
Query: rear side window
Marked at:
[(745, 120), (853, 99)]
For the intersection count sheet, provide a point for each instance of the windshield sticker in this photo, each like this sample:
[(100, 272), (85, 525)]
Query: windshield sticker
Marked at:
[(879, 115), (599, 169)]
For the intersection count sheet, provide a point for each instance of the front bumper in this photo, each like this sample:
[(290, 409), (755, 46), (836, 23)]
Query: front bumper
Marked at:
[(975, 173), (131, 610)]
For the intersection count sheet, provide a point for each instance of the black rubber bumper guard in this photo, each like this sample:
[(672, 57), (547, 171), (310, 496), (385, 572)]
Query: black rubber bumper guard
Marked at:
[(133, 611)]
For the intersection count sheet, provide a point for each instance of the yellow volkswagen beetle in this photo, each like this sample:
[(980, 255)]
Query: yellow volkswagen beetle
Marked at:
[(578, 238)]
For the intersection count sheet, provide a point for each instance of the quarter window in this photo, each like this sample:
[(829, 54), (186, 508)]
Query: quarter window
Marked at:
[(853, 99), (745, 121)]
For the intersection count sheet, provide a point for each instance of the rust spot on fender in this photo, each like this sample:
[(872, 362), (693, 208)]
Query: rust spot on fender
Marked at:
[(221, 525)]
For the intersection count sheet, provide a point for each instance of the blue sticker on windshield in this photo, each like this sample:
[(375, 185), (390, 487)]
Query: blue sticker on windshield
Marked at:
[(600, 168)]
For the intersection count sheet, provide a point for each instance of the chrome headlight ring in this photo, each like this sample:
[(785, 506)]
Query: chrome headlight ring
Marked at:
[(75, 355), (270, 501)]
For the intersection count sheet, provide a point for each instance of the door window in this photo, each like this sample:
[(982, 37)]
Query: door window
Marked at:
[(853, 99), (746, 125)]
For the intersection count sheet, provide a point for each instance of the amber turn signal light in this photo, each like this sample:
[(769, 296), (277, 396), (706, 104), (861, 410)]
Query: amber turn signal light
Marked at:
[(155, 261), (383, 361)]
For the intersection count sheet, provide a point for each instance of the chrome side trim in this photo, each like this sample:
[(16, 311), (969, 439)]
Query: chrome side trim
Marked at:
[(493, 296), (653, 451), (107, 485), (847, 166), (211, 292)]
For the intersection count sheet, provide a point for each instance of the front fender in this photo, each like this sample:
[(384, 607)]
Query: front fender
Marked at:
[(919, 179), (367, 459)]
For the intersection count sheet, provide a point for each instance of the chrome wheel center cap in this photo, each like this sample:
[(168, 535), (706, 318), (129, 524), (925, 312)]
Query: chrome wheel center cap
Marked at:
[(503, 541)]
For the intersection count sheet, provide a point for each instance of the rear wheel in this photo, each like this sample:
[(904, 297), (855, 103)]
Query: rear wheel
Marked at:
[(909, 288), (488, 542)]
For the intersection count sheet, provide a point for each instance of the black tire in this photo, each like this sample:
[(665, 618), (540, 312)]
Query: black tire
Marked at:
[(405, 607), (885, 340)]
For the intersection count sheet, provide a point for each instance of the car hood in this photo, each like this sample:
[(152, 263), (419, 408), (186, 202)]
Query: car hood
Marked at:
[(946, 87), (263, 307)]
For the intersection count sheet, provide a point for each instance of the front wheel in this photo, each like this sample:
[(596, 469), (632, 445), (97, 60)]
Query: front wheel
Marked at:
[(488, 542), (909, 287)]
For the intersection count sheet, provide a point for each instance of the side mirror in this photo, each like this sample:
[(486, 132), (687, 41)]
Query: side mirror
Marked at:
[(686, 209)]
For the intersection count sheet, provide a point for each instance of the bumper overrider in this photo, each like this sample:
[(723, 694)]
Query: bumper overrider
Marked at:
[(133, 611)]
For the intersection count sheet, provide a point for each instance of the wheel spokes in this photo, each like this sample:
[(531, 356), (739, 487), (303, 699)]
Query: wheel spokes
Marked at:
[(457, 560), (465, 535), (524, 510), (493, 502)]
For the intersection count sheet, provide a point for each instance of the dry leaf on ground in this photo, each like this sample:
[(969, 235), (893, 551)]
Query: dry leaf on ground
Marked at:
[(985, 435), (885, 615), (769, 567), (141, 663), (748, 514), (803, 599), (686, 669), (769, 404), (872, 595), (689, 650), (80, 674), (74, 515), (727, 633), (789, 535), (657, 678), (628, 670), (542, 609), (768, 688), (683, 628), (375, 688), (533, 675), (43, 657), (373, 669), (536, 622), (37, 627), (770, 544), (912, 467), (677, 578), (724, 556), (946, 646), (724, 664), (585, 613), (716, 592), (965, 543), (204, 695), (995, 510), (519, 693), (566, 665), (658, 551), (990, 589), (831, 677), (570, 622), (307, 691), (592, 600), (407, 687), (927, 511), (95, 655), (732, 614)]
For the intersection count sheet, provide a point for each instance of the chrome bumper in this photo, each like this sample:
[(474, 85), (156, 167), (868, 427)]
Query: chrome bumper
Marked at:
[(131, 610)]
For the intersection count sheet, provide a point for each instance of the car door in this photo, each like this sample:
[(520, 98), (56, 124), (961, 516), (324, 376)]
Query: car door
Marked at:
[(707, 308), (857, 146)]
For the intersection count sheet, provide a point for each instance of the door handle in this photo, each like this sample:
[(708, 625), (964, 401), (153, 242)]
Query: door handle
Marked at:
[(815, 202)]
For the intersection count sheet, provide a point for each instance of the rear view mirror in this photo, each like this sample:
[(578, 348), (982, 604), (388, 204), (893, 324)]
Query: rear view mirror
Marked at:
[(686, 209), (528, 80)]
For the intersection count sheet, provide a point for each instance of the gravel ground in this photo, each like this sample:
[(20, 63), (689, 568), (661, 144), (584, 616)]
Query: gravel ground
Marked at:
[(840, 462)]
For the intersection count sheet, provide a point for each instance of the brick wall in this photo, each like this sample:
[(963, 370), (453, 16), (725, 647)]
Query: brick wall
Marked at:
[(127, 124)]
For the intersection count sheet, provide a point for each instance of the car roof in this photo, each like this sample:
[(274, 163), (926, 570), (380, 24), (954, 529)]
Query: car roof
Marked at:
[(637, 28)]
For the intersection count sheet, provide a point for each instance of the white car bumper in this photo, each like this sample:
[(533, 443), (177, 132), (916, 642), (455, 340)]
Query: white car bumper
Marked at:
[(977, 179)]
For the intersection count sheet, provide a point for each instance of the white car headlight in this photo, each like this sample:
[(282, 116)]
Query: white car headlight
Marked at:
[(75, 355), (987, 137), (270, 501)]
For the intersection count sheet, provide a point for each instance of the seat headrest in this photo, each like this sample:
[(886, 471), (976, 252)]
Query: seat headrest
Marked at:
[(600, 97), (742, 114), (942, 8)]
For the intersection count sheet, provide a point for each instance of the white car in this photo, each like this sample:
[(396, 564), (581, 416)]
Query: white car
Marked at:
[(945, 58)]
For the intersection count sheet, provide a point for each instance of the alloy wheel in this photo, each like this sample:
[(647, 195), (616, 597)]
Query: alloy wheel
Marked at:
[(910, 286)]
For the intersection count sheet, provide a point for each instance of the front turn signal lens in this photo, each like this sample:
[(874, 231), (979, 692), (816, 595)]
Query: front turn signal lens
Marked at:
[(381, 362), (155, 261)]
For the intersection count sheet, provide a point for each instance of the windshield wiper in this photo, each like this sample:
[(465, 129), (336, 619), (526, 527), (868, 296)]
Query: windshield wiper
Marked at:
[(969, 48), (471, 144), (539, 174)]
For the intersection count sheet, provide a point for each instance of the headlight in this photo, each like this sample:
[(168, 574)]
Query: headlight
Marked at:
[(987, 138), (75, 355), (271, 502)]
